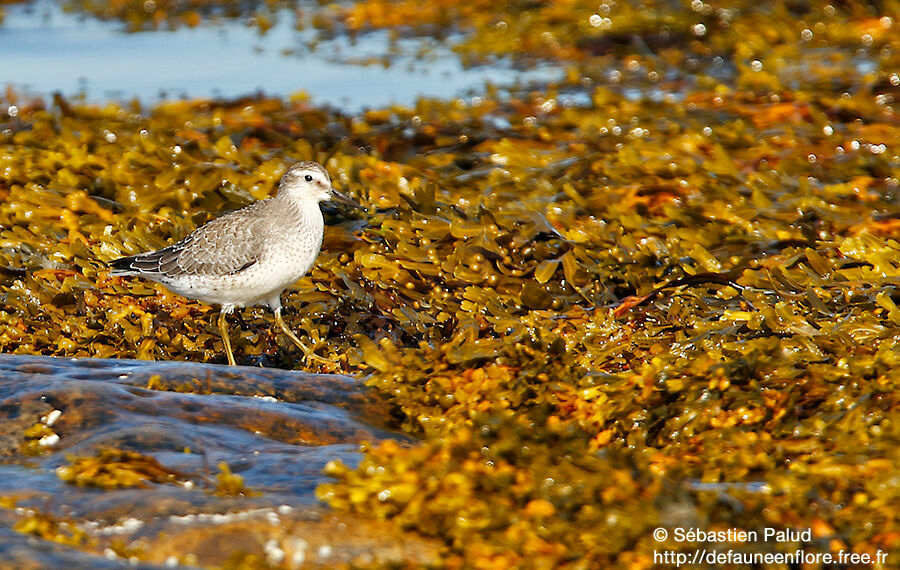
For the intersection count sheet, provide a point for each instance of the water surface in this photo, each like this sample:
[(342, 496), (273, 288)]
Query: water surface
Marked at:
[(276, 429), (44, 50)]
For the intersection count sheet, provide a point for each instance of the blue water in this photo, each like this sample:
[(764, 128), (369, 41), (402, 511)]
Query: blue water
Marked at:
[(277, 429), (43, 50)]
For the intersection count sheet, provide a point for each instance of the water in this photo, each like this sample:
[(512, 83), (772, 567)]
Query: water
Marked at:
[(45, 49), (277, 429)]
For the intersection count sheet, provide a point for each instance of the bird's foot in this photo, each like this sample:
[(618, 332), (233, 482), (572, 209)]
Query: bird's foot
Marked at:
[(308, 353)]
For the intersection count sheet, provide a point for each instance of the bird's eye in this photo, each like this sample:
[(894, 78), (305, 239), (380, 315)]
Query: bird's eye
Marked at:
[(308, 177)]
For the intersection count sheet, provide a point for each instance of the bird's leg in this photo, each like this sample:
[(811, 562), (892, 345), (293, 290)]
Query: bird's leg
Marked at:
[(223, 330), (307, 352)]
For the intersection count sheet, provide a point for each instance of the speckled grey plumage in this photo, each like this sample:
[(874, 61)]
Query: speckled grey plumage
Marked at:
[(248, 256), (243, 258)]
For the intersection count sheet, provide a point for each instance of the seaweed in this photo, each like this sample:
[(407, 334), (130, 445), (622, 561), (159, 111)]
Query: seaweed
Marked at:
[(662, 291)]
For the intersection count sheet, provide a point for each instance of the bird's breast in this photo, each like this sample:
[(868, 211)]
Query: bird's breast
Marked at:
[(294, 250)]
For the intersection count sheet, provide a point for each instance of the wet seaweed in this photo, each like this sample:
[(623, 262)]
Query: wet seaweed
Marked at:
[(600, 311), (117, 468)]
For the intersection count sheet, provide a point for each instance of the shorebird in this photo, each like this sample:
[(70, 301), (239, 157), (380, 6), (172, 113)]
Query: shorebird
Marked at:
[(249, 256)]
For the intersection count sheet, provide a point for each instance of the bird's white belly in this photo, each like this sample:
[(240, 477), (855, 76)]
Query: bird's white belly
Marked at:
[(261, 283)]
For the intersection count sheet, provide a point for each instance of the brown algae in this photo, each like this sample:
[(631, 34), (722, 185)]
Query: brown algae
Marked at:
[(602, 313), (117, 468)]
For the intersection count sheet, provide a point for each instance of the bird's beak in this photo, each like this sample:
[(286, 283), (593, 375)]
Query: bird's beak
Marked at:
[(338, 196)]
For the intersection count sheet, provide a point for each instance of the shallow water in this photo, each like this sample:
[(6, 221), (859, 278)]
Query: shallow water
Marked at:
[(46, 50), (276, 429)]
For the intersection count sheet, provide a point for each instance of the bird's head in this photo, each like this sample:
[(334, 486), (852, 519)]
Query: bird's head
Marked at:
[(309, 180)]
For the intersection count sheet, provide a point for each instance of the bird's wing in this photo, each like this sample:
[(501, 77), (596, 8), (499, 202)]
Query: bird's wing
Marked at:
[(224, 246)]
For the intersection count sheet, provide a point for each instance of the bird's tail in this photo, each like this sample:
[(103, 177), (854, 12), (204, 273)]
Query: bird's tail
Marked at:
[(131, 265), (122, 266)]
